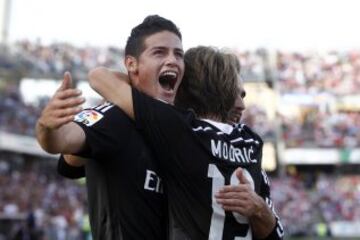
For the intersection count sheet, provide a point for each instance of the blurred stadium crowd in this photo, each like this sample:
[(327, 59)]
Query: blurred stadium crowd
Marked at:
[(40, 203), (305, 202), (31, 190)]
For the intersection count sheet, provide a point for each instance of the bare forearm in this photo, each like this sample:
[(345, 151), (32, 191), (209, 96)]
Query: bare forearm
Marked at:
[(114, 87), (49, 139), (263, 222), (59, 140)]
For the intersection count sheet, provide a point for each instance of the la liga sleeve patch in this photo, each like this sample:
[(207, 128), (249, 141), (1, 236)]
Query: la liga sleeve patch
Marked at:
[(88, 117)]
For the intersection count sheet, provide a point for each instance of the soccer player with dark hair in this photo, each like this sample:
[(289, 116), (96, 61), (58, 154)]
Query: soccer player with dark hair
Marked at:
[(212, 170), (125, 193)]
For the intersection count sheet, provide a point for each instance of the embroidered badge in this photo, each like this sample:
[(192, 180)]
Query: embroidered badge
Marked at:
[(88, 117)]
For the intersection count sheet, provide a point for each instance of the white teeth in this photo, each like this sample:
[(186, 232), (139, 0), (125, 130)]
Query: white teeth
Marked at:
[(168, 73)]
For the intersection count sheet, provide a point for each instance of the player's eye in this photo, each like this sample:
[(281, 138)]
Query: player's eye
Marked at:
[(158, 52), (179, 54)]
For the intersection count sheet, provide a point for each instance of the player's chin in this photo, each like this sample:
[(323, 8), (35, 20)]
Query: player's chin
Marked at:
[(167, 95), (170, 99)]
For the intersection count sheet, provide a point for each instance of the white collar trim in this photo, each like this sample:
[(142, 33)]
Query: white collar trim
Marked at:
[(224, 127)]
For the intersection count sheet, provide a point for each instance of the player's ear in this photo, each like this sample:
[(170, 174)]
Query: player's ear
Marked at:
[(131, 65)]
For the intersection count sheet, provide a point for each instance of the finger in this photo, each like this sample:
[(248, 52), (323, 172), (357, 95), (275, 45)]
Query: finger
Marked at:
[(241, 176), (232, 202), (64, 120), (68, 93), (234, 188), (58, 122), (70, 103), (232, 195), (240, 210), (67, 112), (66, 82), (227, 195)]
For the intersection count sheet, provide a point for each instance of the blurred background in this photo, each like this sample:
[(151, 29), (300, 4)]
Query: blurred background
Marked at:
[(301, 66)]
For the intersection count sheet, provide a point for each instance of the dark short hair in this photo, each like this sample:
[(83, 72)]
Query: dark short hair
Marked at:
[(152, 24), (210, 82)]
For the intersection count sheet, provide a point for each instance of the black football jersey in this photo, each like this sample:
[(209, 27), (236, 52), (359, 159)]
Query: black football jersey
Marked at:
[(196, 159), (125, 192)]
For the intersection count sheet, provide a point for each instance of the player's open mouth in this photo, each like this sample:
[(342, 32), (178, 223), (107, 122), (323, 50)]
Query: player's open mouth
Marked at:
[(168, 80)]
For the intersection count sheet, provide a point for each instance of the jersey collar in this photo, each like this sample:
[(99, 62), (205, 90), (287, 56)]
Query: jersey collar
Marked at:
[(224, 127)]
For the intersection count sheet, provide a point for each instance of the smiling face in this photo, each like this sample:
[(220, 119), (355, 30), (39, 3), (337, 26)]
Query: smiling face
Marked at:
[(160, 67)]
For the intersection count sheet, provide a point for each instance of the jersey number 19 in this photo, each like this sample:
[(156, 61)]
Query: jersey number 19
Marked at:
[(218, 216)]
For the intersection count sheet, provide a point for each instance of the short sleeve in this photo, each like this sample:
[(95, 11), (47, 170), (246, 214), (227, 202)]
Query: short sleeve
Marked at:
[(106, 129), (68, 171)]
